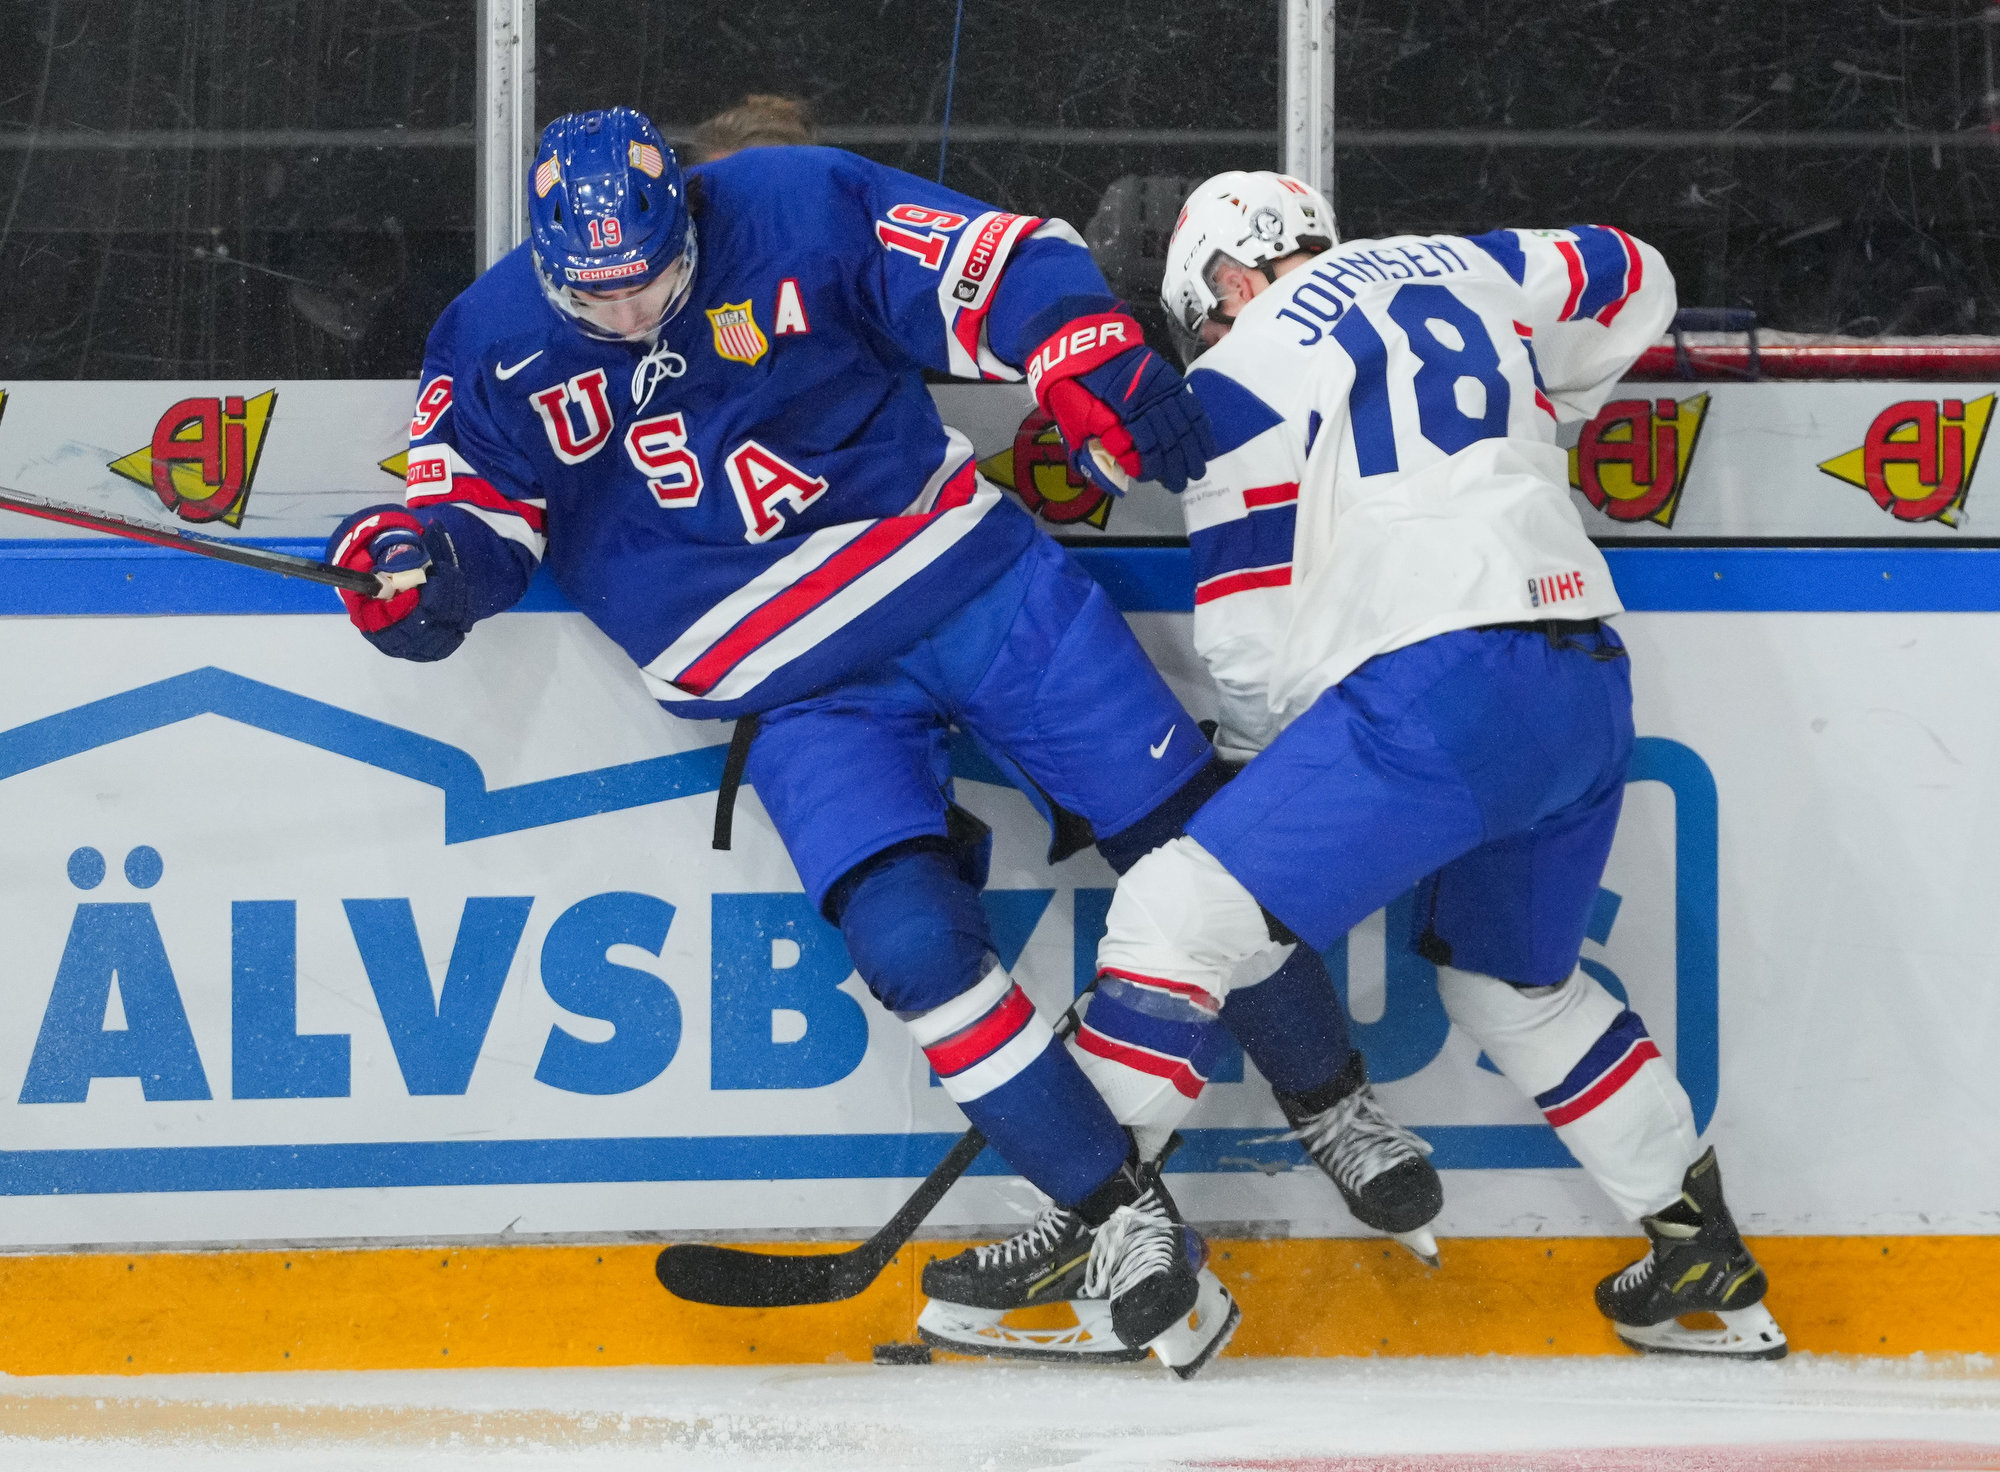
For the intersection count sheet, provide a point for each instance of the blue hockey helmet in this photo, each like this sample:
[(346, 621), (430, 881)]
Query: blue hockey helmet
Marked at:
[(607, 210)]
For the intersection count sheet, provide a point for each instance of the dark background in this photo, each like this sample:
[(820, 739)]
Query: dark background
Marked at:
[(324, 247)]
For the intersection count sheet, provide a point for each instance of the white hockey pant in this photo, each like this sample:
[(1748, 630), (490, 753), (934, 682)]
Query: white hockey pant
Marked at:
[(1182, 933), (1631, 1127)]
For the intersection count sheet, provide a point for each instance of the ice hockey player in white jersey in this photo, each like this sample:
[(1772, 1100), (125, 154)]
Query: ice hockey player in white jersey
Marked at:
[(1406, 622)]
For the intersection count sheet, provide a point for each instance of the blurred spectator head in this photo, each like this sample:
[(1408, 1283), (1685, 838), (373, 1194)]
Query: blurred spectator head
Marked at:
[(759, 120)]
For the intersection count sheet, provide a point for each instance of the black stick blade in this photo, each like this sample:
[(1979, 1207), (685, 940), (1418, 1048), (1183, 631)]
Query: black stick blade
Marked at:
[(731, 1277)]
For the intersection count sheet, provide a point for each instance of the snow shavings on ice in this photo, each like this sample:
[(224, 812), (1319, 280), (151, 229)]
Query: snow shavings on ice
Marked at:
[(1491, 1415)]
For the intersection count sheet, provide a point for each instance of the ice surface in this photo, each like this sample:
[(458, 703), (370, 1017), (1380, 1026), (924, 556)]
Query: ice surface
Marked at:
[(1608, 1415)]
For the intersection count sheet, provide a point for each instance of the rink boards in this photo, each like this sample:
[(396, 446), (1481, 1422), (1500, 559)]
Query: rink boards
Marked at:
[(335, 983), (318, 951)]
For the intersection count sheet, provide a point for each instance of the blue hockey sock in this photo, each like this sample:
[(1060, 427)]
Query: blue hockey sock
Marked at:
[(1000, 1061), (1292, 1025), (920, 940)]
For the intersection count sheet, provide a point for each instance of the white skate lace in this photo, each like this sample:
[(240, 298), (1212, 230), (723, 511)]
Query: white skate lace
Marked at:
[(1635, 1275), (1042, 1234), (1138, 1241), (1355, 1140), (654, 369)]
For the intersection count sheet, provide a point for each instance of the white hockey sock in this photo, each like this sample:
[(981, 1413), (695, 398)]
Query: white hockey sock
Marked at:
[(1587, 1062), (1148, 1050), (1181, 931)]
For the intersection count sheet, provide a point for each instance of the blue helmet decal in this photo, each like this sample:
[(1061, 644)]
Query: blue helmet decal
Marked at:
[(607, 206)]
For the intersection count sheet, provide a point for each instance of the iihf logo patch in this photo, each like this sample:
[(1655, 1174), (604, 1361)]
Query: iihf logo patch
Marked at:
[(737, 335)]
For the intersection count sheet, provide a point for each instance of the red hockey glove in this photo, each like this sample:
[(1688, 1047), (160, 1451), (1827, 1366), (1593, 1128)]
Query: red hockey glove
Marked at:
[(422, 623), (1099, 381)]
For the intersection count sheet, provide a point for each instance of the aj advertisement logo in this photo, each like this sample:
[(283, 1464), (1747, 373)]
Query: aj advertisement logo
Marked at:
[(1919, 456), (1036, 468), (203, 456), (780, 1010), (1633, 459)]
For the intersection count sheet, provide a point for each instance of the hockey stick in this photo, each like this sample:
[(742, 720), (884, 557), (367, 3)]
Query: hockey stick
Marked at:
[(734, 1277), (371, 585)]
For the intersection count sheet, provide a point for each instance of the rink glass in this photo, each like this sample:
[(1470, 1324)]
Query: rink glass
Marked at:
[(206, 190)]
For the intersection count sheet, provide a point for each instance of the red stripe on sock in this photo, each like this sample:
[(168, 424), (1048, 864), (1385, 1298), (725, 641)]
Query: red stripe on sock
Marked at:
[(1199, 996), (1174, 1070), (1608, 1084), (988, 1035)]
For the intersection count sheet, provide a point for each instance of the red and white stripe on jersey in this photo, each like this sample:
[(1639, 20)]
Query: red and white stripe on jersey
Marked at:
[(965, 292), (439, 476), (1527, 335), (1605, 272), (1250, 551), (834, 576), (983, 1037)]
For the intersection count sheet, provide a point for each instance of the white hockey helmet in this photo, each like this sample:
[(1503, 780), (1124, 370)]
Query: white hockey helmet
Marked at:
[(1254, 219)]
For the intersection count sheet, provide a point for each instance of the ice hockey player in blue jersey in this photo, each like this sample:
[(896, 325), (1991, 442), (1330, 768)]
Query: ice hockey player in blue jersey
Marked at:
[(700, 400), (1407, 626)]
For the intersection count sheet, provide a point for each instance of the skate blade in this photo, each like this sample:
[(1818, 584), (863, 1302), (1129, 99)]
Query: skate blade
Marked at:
[(1422, 1245), (982, 1331), (1746, 1334), (1198, 1338)]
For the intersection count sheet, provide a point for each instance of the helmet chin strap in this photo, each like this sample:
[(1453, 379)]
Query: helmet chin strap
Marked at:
[(562, 298)]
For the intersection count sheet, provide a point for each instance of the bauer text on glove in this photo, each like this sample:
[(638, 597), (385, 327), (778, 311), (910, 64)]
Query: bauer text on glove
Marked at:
[(1097, 378)]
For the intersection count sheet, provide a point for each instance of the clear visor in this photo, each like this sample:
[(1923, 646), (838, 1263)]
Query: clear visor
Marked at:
[(634, 313), (1209, 274), (1187, 344), (1200, 323)]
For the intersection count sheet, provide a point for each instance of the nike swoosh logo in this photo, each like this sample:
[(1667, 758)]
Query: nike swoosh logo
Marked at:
[(1161, 750), (504, 372)]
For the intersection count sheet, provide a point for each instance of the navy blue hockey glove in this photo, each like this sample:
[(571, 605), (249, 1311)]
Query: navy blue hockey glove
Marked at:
[(423, 623), (1100, 382)]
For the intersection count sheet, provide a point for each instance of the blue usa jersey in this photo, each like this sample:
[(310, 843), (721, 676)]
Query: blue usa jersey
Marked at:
[(766, 501)]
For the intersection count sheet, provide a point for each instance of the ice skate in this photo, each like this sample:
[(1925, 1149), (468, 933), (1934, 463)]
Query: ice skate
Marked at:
[(1152, 1269), (972, 1293), (1379, 1167), (1136, 1285), (1696, 1264)]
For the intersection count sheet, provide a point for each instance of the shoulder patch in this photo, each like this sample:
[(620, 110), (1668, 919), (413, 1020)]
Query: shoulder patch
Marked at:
[(1237, 415), (1505, 247), (737, 335)]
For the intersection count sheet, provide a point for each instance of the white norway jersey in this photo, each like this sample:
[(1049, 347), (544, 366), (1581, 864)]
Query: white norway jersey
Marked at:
[(1389, 466)]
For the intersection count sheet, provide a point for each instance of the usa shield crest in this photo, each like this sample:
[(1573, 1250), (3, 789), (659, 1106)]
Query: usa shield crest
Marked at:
[(737, 335)]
